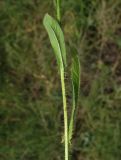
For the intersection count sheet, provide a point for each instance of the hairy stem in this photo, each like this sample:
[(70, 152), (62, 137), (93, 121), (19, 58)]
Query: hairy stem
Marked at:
[(71, 125), (65, 114)]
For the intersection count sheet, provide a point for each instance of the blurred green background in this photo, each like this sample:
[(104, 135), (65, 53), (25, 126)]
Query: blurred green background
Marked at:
[(31, 113)]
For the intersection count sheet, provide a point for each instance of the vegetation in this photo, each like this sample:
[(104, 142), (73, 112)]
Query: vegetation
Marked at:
[(57, 41), (31, 113)]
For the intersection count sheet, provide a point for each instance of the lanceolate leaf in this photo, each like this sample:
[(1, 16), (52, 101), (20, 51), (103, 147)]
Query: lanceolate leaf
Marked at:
[(75, 76), (56, 38)]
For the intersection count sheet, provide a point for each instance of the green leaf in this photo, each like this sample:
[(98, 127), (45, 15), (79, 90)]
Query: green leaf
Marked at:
[(75, 76), (56, 38)]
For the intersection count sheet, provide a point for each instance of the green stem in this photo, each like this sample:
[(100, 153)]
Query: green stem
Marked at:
[(65, 114), (58, 10), (71, 125)]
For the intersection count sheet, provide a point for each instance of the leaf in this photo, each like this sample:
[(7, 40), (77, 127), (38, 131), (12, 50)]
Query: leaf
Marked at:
[(56, 38), (75, 76)]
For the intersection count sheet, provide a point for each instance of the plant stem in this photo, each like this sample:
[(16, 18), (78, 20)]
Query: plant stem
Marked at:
[(71, 125), (58, 10), (65, 114), (63, 93)]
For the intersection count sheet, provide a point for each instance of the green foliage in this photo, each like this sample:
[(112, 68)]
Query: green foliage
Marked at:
[(56, 39), (31, 118), (57, 42), (75, 77)]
